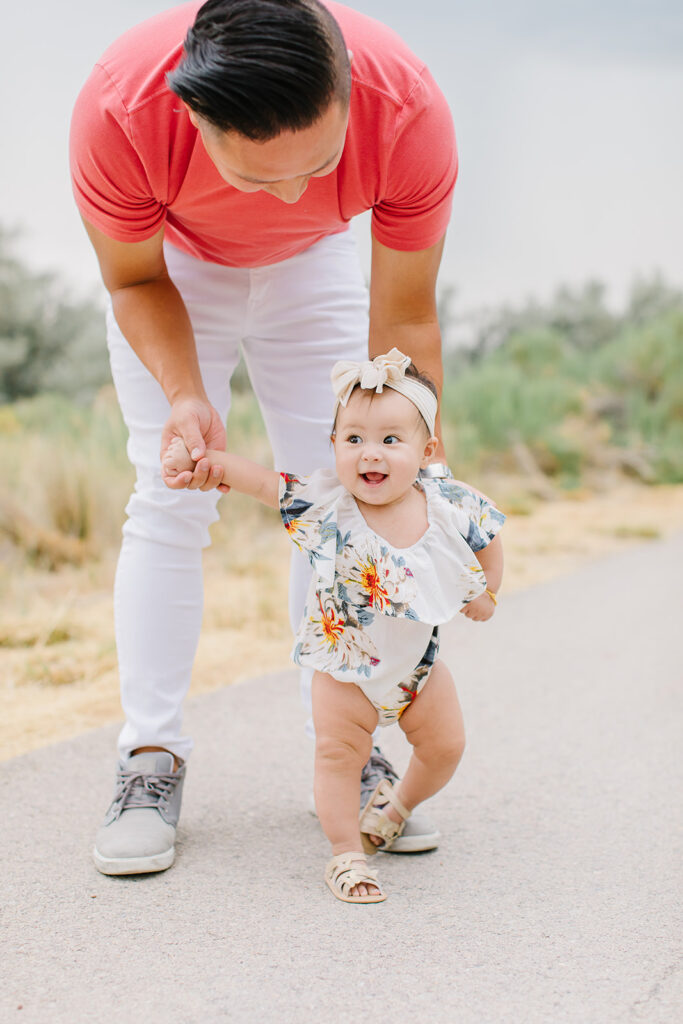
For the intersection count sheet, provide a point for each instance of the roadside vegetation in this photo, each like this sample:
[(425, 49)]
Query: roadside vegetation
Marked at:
[(569, 394), (549, 398), (544, 402)]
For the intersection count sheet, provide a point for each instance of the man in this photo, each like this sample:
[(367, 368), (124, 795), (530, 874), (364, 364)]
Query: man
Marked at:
[(218, 154)]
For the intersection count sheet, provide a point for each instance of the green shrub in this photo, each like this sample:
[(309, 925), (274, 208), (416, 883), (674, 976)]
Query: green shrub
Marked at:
[(48, 341), (497, 403), (535, 380)]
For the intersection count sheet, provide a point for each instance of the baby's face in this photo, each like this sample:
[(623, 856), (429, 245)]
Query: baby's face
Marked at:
[(381, 443)]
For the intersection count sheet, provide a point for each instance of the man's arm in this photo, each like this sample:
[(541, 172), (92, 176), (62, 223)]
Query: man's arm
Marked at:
[(152, 316), (403, 311)]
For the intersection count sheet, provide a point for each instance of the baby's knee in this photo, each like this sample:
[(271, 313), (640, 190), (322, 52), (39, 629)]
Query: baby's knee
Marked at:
[(449, 749), (346, 750), (457, 747)]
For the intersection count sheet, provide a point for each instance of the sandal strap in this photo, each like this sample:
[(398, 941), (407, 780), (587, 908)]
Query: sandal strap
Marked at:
[(386, 789), (375, 821), (378, 824), (342, 865)]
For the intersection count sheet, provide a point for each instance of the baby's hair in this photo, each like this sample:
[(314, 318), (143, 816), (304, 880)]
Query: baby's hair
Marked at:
[(423, 378), (412, 372)]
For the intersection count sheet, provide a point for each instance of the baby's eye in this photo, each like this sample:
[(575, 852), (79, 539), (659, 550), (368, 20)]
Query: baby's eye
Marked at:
[(354, 439), (391, 439)]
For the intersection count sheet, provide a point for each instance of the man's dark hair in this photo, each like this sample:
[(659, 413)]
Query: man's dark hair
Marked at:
[(261, 67)]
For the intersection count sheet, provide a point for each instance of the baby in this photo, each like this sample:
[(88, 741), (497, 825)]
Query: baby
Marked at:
[(393, 557)]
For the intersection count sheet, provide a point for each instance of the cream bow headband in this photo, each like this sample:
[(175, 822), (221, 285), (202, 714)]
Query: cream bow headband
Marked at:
[(383, 371)]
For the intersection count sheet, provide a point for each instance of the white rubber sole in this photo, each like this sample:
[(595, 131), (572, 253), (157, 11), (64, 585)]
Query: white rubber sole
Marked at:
[(421, 843), (414, 844), (133, 865)]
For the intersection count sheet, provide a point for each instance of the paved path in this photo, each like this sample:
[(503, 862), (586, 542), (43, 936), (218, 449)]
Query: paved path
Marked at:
[(553, 897)]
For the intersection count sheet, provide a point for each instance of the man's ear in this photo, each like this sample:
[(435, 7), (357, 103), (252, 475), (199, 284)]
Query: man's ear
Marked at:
[(193, 116), (430, 448)]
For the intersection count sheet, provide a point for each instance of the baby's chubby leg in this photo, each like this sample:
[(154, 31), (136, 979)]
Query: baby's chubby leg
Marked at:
[(344, 722), (434, 727)]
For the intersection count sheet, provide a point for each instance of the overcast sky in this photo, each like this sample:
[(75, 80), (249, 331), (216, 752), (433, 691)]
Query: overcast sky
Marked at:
[(568, 119)]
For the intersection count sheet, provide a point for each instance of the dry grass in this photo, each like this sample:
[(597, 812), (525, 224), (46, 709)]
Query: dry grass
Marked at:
[(57, 659), (57, 656)]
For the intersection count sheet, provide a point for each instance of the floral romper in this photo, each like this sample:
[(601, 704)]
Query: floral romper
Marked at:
[(373, 610)]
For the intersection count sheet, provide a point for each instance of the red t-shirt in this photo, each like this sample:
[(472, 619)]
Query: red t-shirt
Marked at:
[(137, 162)]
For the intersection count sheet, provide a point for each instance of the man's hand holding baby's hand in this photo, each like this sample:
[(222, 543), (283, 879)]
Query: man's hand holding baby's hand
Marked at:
[(198, 425), (481, 609), (176, 460), (177, 467)]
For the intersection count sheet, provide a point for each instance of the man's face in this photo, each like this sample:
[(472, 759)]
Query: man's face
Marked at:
[(282, 166)]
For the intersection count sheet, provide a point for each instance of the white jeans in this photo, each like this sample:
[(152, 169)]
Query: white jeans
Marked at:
[(292, 320)]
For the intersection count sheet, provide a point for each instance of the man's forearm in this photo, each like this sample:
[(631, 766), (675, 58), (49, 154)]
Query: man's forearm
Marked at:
[(153, 319), (422, 342)]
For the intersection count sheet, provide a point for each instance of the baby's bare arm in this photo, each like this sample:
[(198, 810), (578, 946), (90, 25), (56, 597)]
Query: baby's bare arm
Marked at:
[(245, 476), (490, 559), (248, 477)]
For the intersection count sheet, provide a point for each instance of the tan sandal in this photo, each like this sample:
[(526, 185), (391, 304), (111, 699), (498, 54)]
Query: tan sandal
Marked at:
[(342, 875), (374, 822)]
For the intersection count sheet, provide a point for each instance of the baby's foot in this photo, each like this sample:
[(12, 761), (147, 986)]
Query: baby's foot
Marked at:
[(176, 459), (349, 878), (392, 814), (383, 818), (363, 888)]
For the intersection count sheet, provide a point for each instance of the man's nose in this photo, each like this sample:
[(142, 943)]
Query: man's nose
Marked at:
[(289, 191)]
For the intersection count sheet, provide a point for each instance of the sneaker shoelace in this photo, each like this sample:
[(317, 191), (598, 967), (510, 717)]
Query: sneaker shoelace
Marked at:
[(376, 769), (133, 789)]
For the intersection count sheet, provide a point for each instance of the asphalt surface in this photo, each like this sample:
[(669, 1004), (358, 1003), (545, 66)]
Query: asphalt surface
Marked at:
[(554, 896)]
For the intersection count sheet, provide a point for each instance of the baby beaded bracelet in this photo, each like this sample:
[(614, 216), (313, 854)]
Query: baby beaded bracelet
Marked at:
[(492, 596)]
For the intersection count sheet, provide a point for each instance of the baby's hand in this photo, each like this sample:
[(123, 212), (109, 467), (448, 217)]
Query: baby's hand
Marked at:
[(176, 459), (481, 609)]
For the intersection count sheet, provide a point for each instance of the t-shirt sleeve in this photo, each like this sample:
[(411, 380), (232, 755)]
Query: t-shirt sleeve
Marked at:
[(415, 207), (478, 521), (110, 185)]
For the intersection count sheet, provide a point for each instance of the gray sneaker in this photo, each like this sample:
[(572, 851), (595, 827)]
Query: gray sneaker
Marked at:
[(419, 834), (138, 833)]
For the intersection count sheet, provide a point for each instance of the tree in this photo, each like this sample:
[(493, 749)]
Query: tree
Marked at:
[(48, 342), (579, 315)]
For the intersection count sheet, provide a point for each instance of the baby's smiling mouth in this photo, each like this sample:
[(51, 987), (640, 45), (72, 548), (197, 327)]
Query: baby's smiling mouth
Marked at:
[(374, 478)]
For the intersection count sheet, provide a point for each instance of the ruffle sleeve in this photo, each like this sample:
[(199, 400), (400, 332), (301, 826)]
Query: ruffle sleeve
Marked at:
[(476, 519), (444, 565), (308, 507)]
